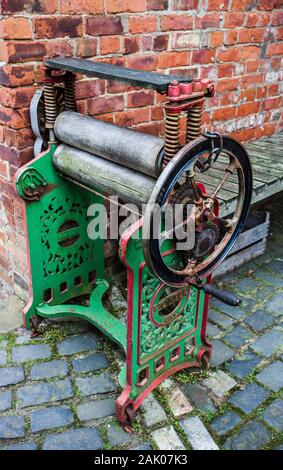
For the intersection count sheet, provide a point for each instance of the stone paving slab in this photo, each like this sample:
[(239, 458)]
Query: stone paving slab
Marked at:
[(59, 390)]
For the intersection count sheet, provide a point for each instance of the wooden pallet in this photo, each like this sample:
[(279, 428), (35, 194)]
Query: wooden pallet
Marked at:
[(267, 161)]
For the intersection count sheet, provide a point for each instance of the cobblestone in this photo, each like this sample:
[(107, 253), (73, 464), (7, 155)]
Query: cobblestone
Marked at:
[(252, 436), (117, 436), (272, 376), (52, 417), (96, 409), (77, 344), (249, 398), (273, 415), (275, 305), (11, 375), (198, 435), (242, 365), (76, 439), (35, 394), (225, 423), (198, 396), (153, 411), (260, 320), (220, 353), (90, 363), (48, 370), (220, 319), (93, 385), (238, 336), (178, 403), (3, 357), (22, 446), (220, 383), (167, 439), (269, 344), (12, 426), (31, 352), (5, 400)]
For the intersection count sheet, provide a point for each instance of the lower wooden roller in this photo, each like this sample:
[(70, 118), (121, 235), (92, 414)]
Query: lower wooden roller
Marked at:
[(97, 173)]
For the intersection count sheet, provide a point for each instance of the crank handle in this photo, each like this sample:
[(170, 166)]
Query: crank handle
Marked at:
[(223, 295)]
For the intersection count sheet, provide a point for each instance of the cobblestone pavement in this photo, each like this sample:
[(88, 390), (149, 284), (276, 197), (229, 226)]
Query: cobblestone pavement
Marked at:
[(58, 391)]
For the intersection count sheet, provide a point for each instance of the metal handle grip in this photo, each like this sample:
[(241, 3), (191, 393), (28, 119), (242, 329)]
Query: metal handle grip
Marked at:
[(223, 295)]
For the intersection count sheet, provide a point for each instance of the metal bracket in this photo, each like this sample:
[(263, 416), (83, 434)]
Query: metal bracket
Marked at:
[(29, 184)]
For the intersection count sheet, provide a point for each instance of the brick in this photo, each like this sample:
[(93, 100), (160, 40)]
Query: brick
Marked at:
[(15, 28), (87, 47), (257, 19), (131, 45), (173, 59), (81, 6), (209, 20), (214, 5), (31, 352), (223, 114), (49, 418), (167, 439), (93, 385), (12, 427), (252, 436), (231, 37), (142, 61), (277, 18), (186, 40), (34, 6), (23, 51), (59, 47), (5, 400), (122, 6), (274, 49), (57, 26), (160, 42), (242, 5), (16, 97), (99, 26), (185, 4), (266, 5), (19, 138), (232, 54), (140, 98), (76, 344), (234, 19), (36, 394), (103, 105), (153, 413), (109, 44), (117, 436), (96, 409), (216, 39), (11, 375), (225, 423), (176, 22), (251, 35), (76, 439), (142, 24), (48, 370), (197, 434), (225, 70), (90, 363)]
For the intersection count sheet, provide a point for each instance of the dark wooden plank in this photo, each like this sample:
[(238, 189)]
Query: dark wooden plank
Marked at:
[(154, 81)]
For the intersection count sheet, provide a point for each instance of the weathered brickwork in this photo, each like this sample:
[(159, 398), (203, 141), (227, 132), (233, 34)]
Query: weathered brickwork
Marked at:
[(236, 43)]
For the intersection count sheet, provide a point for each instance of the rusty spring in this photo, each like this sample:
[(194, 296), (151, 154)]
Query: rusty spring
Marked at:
[(70, 93), (194, 120), (50, 105), (172, 136)]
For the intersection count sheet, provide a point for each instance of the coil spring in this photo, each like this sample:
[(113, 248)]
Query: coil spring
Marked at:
[(50, 105), (70, 93), (194, 122), (172, 136)]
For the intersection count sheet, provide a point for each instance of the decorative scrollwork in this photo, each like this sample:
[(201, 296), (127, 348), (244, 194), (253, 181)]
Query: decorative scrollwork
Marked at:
[(30, 184)]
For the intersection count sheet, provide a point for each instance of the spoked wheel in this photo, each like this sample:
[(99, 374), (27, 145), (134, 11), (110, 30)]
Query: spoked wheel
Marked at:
[(205, 178)]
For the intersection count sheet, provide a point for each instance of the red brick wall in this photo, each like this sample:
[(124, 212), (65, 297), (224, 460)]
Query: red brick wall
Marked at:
[(236, 43)]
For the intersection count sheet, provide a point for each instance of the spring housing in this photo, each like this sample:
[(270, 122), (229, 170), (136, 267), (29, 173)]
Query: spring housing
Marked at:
[(172, 135), (70, 92)]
